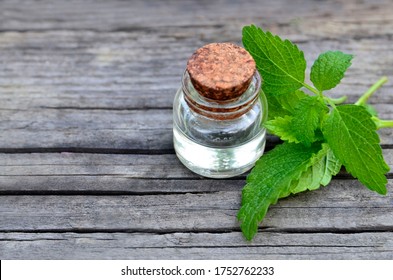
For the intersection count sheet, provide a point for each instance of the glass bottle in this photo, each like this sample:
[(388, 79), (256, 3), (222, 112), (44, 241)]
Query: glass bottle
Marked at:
[(219, 112)]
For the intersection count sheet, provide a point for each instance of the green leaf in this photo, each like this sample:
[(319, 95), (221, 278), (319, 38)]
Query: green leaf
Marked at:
[(371, 109), (274, 107), (332, 166), (281, 105), (280, 63), (302, 120), (329, 69), (282, 127), (290, 101), (325, 165), (307, 118), (351, 134), (271, 177), (345, 135)]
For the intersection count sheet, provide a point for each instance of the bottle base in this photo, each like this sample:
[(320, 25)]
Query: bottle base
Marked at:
[(218, 162)]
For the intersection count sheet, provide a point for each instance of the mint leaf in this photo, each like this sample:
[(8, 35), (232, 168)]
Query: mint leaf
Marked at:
[(332, 166), (281, 105), (345, 135), (282, 127), (307, 118), (275, 108), (325, 165), (351, 134), (269, 179), (280, 63), (329, 69), (371, 109), (303, 125), (291, 100)]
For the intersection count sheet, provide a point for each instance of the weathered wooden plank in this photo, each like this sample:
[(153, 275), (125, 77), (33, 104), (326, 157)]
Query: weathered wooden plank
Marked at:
[(76, 77), (112, 184), (266, 245), (88, 65), (118, 70), (126, 165), (73, 164), (141, 129), (137, 15), (103, 129), (343, 206), (130, 69)]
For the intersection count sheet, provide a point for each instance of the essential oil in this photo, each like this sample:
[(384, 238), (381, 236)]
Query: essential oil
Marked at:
[(219, 112)]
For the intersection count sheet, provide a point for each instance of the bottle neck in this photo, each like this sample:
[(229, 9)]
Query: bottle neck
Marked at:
[(221, 110)]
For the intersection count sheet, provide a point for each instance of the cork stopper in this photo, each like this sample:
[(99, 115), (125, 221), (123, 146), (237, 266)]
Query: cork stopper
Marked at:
[(221, 71)]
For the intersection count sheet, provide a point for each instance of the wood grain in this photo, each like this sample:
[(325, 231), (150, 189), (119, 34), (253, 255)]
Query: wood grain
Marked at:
[(54, 166), (343, 206), (90, 70), (87, 167), (266, 245), (103, 129)]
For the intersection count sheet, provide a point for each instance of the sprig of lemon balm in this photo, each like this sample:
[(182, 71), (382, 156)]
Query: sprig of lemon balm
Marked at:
[(320, 133)]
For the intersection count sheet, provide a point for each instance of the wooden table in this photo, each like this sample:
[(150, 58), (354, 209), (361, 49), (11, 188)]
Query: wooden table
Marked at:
[(87, 166)]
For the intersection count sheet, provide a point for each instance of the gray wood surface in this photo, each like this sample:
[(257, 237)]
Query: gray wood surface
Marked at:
[(87, 167), (267, 245)]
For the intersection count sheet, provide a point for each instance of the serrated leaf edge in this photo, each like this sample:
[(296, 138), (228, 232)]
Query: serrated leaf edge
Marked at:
[(285, 43), (382, 191), (248, 233)]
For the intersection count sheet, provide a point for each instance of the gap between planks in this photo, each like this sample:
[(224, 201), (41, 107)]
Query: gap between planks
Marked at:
[(332, 230)]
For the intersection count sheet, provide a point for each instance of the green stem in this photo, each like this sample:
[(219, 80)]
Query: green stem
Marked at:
[(330, 101), (363, 99), (339, 100), (382, 123), (314, 90)]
